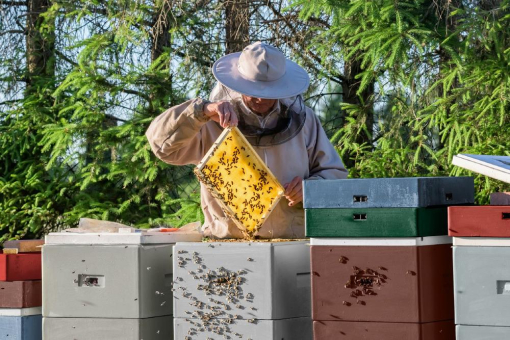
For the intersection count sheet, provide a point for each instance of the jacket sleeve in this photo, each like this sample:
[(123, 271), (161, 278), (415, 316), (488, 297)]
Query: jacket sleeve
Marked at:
[(324, 161), (175, 136)]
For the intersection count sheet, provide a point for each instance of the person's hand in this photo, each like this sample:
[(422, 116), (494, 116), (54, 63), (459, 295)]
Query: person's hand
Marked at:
[(221, 112), (294, 191)]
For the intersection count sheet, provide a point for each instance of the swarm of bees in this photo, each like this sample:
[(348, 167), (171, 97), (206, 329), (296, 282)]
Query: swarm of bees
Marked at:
[(224, 295), (236, 176), (363, 282)]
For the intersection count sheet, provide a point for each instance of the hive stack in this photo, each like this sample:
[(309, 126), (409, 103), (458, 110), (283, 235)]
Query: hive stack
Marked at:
[(380, 258), (242, 290), (481, 256), (109, 286), (20, 290)]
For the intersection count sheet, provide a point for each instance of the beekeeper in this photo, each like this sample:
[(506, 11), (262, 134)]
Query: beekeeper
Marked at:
[(260, 92)]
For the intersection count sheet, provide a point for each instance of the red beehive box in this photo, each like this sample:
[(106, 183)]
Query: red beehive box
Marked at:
[(20, 294), (382, 283), (484, 221), (329, 330), (20, 267)]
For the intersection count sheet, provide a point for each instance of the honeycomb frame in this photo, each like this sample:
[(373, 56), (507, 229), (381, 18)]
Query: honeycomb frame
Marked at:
[(239, 179)]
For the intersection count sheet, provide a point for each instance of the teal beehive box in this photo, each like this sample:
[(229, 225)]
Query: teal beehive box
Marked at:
[(376, 222), (411, 192)]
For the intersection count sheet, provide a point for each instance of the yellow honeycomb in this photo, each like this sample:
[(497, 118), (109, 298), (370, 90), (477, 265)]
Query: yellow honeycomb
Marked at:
[(235, 175)]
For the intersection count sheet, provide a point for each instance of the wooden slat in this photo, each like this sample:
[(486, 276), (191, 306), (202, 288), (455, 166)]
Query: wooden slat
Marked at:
[(25, 246)]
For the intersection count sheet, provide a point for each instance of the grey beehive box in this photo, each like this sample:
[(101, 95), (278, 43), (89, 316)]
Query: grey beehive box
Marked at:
[(160, 328), (108, 275), (482, 333), (124, 281), (285, 329), (251, 280), (482, 285), (411, 192)]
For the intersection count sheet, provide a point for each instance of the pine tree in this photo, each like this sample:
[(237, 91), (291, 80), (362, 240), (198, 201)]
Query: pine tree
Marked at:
[(442, 83)]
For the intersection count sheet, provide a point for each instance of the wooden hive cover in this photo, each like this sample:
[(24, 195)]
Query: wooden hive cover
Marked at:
[(238, 178)]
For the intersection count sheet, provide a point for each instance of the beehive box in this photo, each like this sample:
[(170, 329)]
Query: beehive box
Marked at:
[(382, 280), (482, 333), (241, 182), (487, 221), (285, 329), (20, 267), (500, 198), (482, 284), (118, 276), (20, 327), (388, 192), (376, 222), (160, 328), (20, 294), (329, 330), (250, 280), (25, 246)]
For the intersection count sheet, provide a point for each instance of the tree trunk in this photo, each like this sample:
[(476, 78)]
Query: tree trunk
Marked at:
[(40, 47), (237, 24), (350, 87), (161, 92)]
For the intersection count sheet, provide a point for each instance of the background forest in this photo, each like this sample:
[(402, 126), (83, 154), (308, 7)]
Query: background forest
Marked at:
[(401, 87)]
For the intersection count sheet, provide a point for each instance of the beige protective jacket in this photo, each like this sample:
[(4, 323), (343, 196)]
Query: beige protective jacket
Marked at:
[(183, 134)]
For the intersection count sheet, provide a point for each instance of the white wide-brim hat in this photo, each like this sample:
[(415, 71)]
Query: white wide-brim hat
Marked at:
[(261, 71)]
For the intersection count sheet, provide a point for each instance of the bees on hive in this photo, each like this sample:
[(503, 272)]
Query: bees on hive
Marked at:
[(244, 186)]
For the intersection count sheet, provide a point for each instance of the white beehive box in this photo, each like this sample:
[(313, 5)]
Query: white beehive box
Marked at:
[(108, 275), (107, 329), (241, 283), (482, 282)]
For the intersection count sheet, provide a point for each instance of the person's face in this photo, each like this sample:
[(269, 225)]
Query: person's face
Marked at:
[(259, 105)]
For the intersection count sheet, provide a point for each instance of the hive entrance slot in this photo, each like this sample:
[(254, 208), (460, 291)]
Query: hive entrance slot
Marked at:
[(359, 198), (359, 217), (91, 280), (506, 216), (449, 196)]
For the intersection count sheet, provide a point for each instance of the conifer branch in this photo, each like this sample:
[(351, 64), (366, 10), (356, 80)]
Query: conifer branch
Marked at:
[(13, 3), (11, 32)]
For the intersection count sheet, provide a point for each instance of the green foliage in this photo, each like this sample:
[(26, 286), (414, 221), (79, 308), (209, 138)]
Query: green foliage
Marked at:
[(73, 145), (74, 111), (442, 71)]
